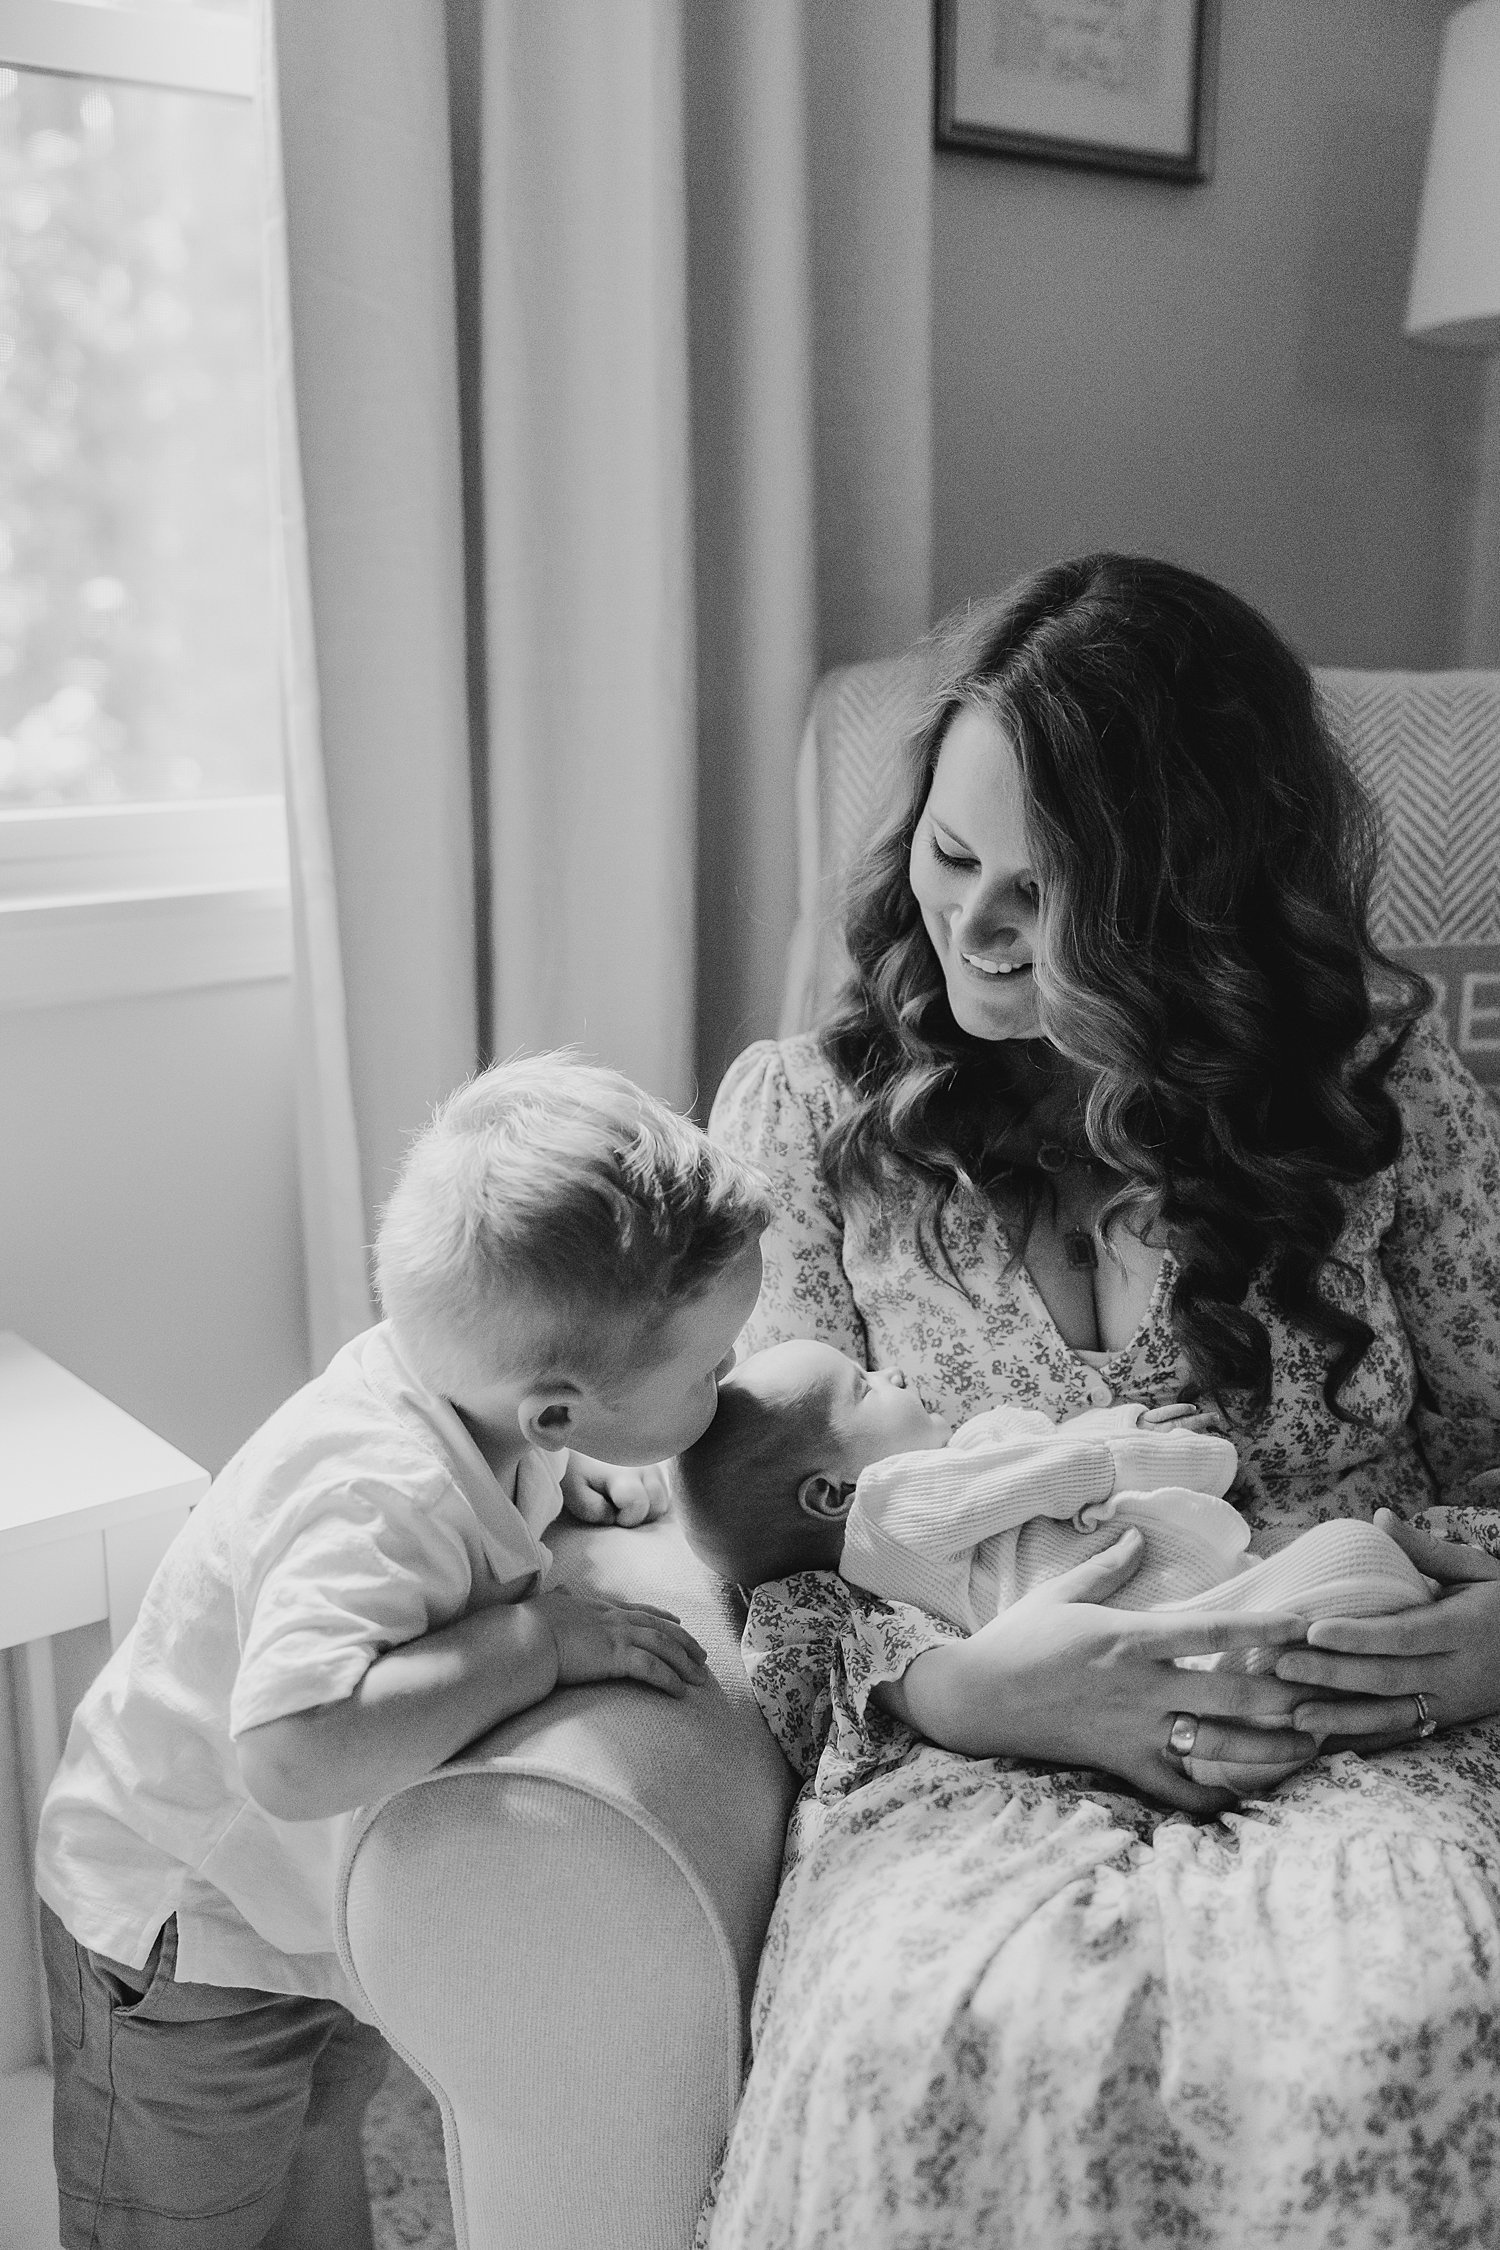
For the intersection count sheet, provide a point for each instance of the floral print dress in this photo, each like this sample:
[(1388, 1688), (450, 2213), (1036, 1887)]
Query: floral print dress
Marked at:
[(1006, 2005)]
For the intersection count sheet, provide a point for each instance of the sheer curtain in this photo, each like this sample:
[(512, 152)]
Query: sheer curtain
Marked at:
[(374, 645), (751, 291), (567, 491), (584, 443), (338, 1293)]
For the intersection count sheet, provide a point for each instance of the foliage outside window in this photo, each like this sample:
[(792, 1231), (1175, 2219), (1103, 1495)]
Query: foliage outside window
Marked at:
[(135, 620)]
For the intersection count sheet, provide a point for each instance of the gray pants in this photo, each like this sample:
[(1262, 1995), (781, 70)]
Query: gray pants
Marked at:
[(203, 2116)]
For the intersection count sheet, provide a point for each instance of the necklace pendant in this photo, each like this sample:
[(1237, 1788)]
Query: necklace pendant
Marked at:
[(1078, 1247)]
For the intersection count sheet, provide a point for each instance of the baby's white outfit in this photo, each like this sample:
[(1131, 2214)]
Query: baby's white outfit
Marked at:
[(361, 1515), (1014, 1499)]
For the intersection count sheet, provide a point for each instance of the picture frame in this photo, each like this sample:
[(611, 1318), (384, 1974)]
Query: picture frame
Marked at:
[(1115, 85)]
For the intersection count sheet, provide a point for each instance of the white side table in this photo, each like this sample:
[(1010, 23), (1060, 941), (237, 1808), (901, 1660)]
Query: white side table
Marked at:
[(89, 1502), (88, 1506)]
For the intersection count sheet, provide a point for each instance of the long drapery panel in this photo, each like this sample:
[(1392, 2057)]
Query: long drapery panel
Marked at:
[(370, 426), (588, 617)]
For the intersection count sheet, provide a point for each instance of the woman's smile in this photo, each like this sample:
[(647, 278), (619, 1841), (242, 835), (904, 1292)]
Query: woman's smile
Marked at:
[(990, 968), (974, 883), (990, 998), (972, 877)]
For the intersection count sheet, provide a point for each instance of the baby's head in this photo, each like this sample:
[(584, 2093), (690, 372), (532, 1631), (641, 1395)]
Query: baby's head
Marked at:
[(563, 1247), (767, 1487)]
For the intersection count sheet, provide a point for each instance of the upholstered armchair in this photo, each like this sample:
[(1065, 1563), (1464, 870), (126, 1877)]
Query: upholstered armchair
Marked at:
[(559, 1930)]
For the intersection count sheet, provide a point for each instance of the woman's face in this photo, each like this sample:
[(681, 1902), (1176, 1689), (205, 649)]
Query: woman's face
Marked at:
[(971, 876)]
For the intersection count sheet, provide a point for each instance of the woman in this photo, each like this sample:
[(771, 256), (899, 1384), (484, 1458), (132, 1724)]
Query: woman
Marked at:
[(1124, 1102)]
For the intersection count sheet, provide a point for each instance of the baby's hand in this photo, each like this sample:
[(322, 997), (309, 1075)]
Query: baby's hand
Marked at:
[(620, 1641), (1185, 1415), (596, 1492)]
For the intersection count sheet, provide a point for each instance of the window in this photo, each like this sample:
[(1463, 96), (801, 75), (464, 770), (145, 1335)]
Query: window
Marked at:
[(139, 752)]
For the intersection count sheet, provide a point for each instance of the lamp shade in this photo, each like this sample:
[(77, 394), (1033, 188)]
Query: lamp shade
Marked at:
[(1455, 278)]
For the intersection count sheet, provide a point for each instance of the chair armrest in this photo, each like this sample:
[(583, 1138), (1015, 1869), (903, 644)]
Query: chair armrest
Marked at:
[(560, 1929)]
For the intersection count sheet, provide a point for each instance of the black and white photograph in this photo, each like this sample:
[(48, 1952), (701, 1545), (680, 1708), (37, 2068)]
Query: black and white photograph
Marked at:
[(749, 1125)]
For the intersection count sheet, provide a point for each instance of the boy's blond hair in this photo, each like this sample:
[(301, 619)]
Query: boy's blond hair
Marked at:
[(548, 1218)]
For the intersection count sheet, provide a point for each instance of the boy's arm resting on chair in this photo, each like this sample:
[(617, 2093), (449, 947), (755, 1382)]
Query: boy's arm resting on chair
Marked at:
[(421, 1703)]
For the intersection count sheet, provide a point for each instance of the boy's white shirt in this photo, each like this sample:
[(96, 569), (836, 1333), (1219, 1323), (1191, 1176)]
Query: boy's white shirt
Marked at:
[(965, 1530), (361, 1515)]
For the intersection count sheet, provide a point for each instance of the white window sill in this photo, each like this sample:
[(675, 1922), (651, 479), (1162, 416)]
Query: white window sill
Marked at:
[(57, 951), (112, 903), (202, 52)]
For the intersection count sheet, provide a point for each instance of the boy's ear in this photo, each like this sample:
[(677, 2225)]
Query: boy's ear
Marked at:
[(548, 1418), (824, 1498)]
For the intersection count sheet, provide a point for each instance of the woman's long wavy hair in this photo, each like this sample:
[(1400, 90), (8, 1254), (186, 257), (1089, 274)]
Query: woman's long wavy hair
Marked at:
[(1204, 959)]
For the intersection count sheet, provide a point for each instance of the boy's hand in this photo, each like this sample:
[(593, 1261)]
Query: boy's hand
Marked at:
[(620, 1641), (596, 1492)]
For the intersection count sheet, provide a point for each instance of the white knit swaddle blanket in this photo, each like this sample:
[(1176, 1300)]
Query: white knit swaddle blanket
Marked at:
[(1194, 1540), (1346, 1568), (1195, 1559), (1014, 1501)]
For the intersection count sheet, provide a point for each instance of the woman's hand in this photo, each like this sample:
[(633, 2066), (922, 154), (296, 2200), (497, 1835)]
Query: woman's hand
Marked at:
[(596, 1492), (1374, 1668), (1058, 1679), (1186, 1414)]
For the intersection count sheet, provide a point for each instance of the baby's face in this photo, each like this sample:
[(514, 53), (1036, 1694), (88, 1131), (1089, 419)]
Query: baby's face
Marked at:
[(869, 1416)]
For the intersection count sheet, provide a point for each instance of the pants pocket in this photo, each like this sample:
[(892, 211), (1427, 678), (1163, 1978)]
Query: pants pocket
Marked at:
[(64, 1966), (131, 1991)]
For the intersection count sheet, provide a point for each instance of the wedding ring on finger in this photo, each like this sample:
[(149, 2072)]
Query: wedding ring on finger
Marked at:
[(1426, 1723), (1183, 1735)]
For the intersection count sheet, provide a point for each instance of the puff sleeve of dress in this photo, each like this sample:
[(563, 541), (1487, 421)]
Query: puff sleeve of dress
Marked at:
[(773, 1109), (1441, 1259), (815, 1649)]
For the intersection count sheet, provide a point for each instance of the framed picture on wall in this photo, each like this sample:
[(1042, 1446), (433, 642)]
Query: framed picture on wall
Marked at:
[(1122, 85)]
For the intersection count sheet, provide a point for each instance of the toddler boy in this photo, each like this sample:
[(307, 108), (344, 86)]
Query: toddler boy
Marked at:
[(813, 1464), (565, 1263)]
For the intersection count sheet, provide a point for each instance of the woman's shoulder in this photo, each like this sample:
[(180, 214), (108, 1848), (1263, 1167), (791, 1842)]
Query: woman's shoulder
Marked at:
[(1429, 1081), (1448, 1163), (775, 1089)]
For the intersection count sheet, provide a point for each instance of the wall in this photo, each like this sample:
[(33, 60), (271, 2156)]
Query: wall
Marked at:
[(1481, 639), (148, 1204), (1217, 373)]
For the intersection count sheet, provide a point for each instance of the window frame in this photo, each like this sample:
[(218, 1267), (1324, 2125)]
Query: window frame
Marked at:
[(195, 51), (107, 902)]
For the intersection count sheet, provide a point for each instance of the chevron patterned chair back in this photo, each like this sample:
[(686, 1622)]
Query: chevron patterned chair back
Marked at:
[(1427, 744)]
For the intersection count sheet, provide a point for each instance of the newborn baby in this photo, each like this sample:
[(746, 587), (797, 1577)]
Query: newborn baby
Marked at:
[(812, 1464)]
